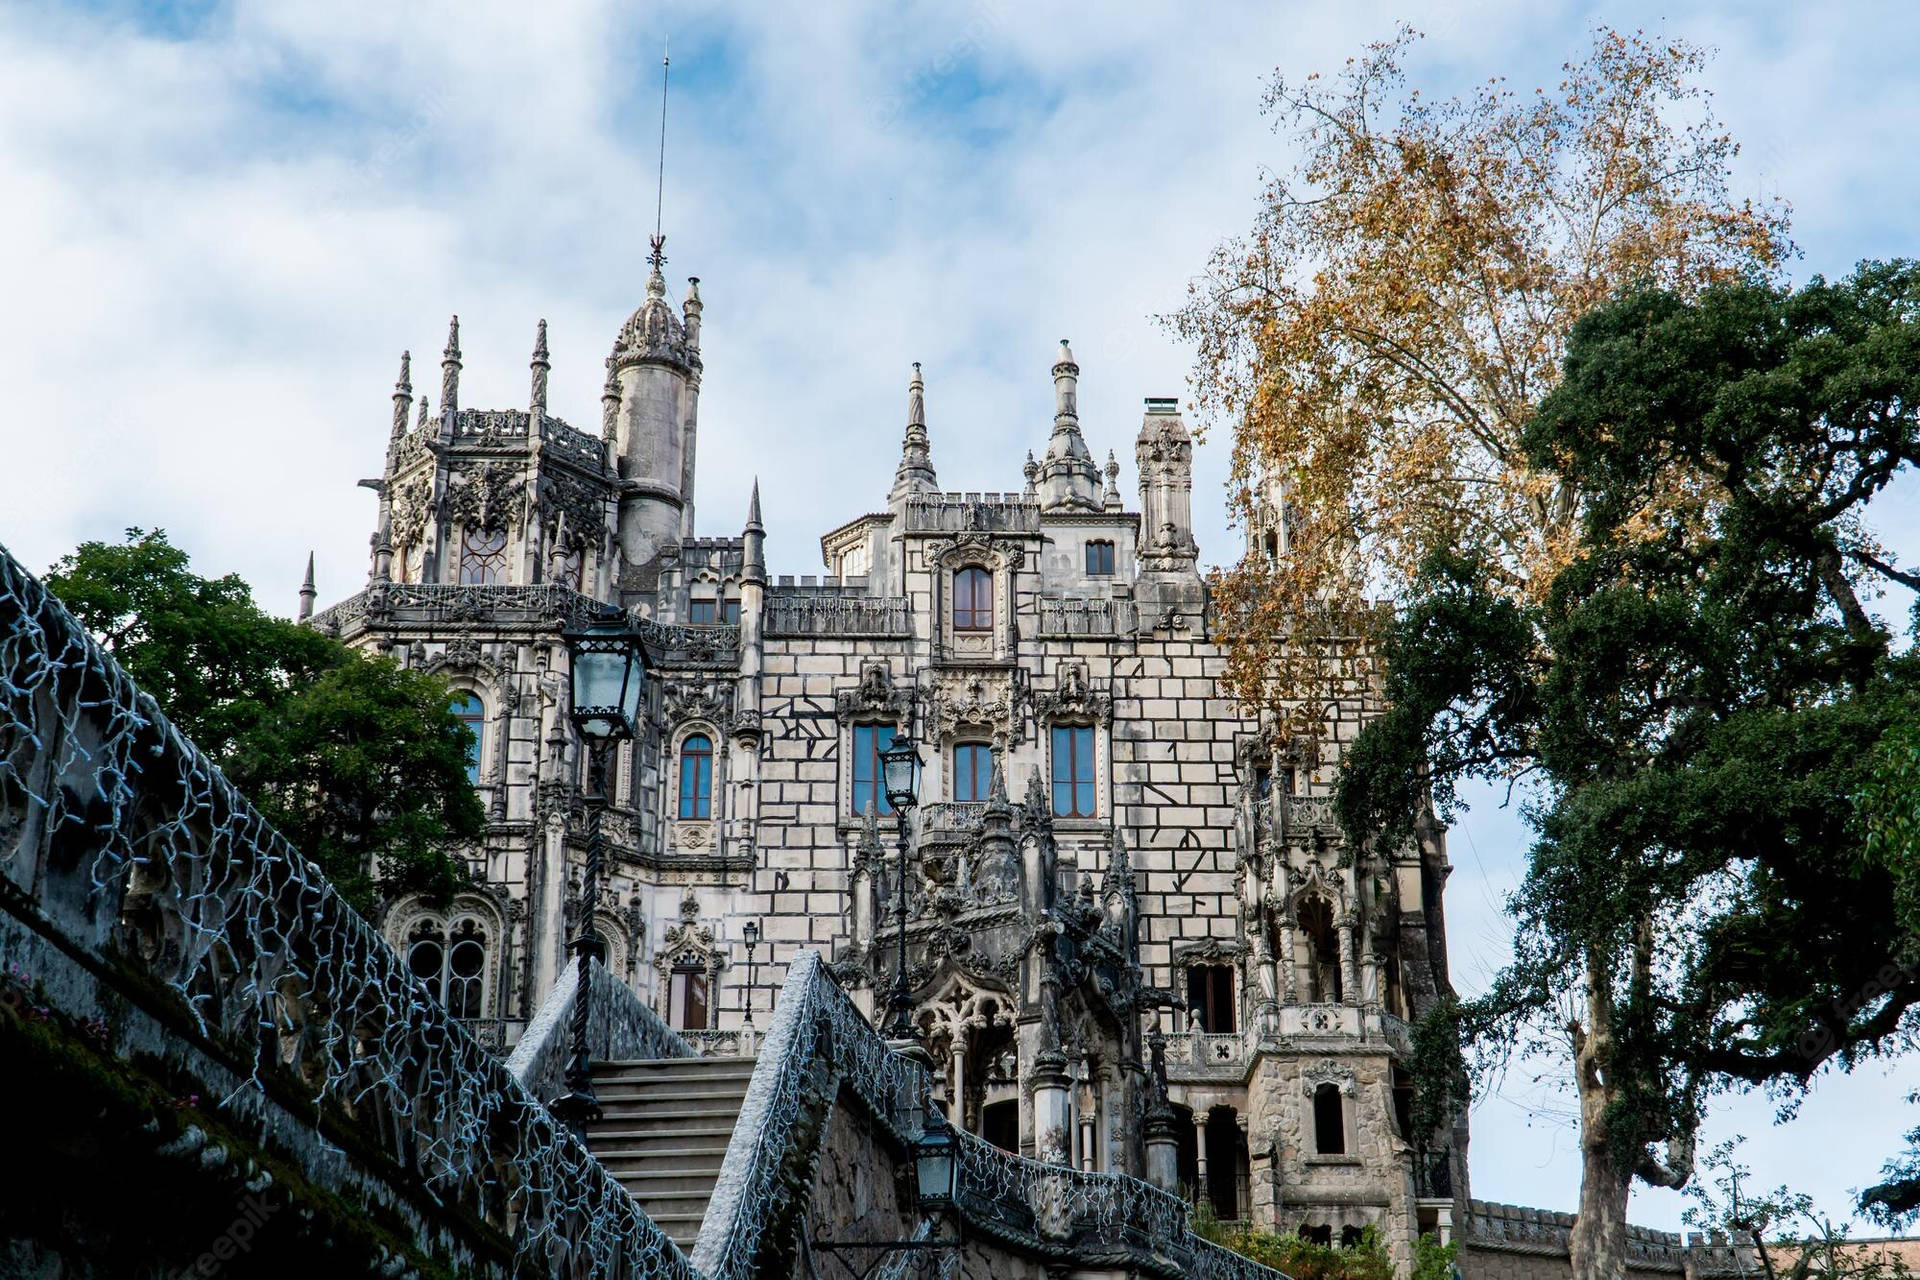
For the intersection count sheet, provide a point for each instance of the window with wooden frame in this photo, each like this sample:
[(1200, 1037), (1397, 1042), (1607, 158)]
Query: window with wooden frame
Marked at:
[(1100, 559), (972, 771), (869, 785), (696, 777), (973, 599), (1210, 997), (1073, 774)]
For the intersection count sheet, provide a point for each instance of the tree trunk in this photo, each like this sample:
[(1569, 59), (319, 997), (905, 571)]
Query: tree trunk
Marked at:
[(1598, 1245)]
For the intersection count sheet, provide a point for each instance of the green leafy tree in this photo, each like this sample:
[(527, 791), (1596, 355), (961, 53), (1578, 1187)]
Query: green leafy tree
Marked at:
[(1701, 699), (358, 762)]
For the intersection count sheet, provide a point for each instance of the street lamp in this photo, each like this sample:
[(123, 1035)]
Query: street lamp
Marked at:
[(752, 930), (936, 1188), (900, 771), (606, 677)]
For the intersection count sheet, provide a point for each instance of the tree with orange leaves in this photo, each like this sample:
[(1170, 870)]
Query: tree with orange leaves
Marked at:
[(1381, 338)]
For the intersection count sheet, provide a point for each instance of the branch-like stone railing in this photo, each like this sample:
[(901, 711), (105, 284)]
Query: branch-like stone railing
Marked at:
[(818, 1045), (137, 862), (620, 1028)]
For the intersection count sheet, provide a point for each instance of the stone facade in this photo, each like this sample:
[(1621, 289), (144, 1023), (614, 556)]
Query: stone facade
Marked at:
[(1109, 862)]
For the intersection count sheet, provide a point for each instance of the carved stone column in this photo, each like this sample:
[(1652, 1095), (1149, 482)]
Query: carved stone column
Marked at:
[(1052, 1139), (959, 1086), (1349, 970)]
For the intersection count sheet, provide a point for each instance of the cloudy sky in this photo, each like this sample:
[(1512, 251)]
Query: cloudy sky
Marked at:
[(221, 223)]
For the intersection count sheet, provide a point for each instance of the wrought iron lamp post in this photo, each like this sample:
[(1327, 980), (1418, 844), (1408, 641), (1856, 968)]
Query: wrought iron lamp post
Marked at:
[(936, 1190), (900, 764), (752, 931), (606, 677)]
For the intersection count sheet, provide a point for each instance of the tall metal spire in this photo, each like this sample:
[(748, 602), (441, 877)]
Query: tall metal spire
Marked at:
[(659, 255)]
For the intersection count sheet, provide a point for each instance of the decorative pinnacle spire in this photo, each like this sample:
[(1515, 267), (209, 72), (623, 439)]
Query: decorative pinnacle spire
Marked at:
[(307, 592), (402, 395), (1111, 498), (690, 311), (422, 421), (610, 404), (1066, 387), (450, 369), (1032, 473), (541, 365), (915, 473), (753, 566)]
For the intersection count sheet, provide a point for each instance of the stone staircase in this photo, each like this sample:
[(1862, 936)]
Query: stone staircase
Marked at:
[(663, 1131)]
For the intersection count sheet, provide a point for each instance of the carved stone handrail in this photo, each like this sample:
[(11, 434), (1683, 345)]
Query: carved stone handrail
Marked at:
[(620, 1028), (124, 843), (819, 1044)]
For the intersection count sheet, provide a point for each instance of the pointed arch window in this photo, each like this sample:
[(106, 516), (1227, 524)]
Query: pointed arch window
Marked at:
[(473, 714), (696, 777), (453, 964), (973, 600), (483, 557)]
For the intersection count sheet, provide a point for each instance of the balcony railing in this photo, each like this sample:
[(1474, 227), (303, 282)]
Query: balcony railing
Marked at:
[(825, 615), (1074, 617)]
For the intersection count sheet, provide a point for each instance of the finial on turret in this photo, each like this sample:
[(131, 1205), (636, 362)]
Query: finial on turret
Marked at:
[(450, 369), (1066, 388), (915, 473), (402, 395), (307, 592), (541, 365), (421, 421), (1032, 473), (1111, 498), (754, 541), (610, 404), (690, 312)]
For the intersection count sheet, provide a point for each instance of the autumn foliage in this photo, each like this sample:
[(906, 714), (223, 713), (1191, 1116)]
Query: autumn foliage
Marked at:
[(1380, 339)]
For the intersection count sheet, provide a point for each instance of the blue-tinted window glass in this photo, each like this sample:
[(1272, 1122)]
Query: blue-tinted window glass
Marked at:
[(1073, 771), (972, 771), (869, 740), (696, 777), (473, 714)]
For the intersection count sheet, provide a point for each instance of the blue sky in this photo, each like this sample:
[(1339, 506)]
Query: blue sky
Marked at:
[(222, 223)]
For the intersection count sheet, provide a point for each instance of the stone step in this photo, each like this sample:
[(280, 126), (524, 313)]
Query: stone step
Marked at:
[(663, 1132)]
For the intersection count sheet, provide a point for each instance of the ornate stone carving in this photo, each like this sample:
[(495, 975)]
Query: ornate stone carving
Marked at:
[(875, 697), (409, 503), (708, 701), (1074, 698), (1327, 1071), (486, 496), (974, 699)]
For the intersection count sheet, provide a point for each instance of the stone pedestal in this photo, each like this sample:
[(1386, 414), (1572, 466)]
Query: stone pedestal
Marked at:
[(1163, 1150)]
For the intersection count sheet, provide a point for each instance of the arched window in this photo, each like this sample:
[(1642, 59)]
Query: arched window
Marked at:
[(696, 777), (972, 771), (1329, 1121), (453, 965), (483, 557), (473, 714), (1073, 788), (973, 600)]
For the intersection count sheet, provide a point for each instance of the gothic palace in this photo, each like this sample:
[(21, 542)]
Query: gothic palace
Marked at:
[(1106, 848)]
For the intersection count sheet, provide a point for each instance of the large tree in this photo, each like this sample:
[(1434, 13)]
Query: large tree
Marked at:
[(1379, 341), (357, 761), (1705, 706)]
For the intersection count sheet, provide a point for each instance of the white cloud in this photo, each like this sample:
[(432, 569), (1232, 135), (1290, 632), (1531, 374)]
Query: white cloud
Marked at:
[(217, 235)]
